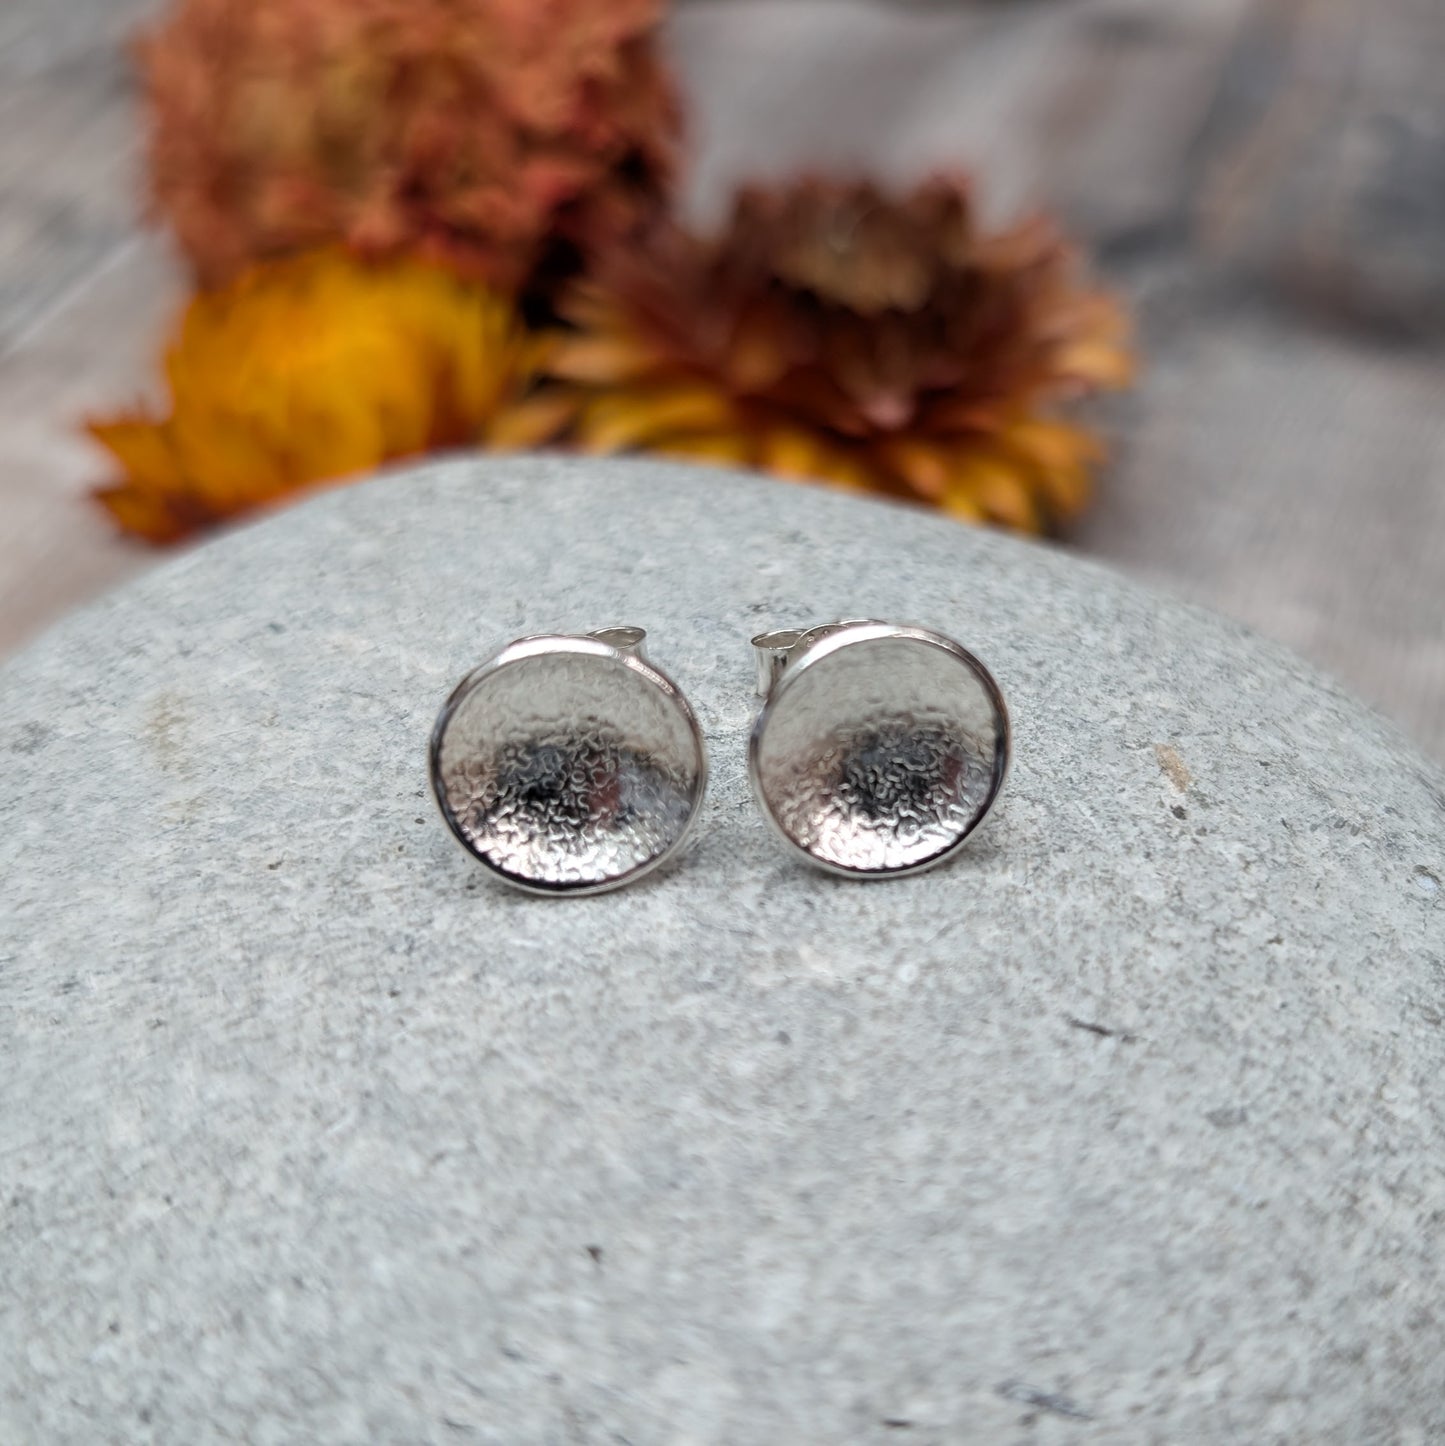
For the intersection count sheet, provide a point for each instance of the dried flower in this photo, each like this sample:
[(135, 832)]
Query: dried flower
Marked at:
[(470, 131), (312, 368), (831, 332)]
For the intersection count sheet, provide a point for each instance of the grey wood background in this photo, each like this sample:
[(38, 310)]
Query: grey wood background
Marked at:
[(1264, 178)]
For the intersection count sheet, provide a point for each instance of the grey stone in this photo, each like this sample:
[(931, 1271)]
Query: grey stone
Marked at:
[(1125, 1127)]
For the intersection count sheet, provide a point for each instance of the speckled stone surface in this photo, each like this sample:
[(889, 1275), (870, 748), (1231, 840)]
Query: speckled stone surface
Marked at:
[(1125, 1127)]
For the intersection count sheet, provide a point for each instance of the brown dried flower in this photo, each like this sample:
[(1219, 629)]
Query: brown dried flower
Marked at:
[(468, 131), (836, 333)]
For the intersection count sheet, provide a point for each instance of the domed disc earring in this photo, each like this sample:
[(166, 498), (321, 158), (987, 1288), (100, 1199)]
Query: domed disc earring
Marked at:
[(569, 765), (879, 749)]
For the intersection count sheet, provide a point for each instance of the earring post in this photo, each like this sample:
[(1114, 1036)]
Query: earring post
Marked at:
[(625, 638), (773, 651)]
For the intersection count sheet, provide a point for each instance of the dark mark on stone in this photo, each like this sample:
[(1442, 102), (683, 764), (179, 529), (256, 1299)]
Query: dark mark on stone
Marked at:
[(1226, 1118), (784, 1037), (1102, 1030), (1179, 811), (33, 736), (595, 1251), (472, 1386), (1028, 1395), (896, 1423)]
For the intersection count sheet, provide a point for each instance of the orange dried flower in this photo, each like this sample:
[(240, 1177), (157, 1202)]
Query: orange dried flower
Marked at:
[(313, 368), (835, 333), (470, 131)]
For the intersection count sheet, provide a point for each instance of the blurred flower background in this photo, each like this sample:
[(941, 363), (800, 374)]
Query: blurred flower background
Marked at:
[(1162, 278), (340, 174)]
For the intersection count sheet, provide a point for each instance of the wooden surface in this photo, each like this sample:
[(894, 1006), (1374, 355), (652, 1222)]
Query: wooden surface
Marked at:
[(1284, 460)]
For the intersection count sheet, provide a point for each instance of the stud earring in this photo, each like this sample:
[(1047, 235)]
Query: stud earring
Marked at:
[(879, 748), (569, 764)]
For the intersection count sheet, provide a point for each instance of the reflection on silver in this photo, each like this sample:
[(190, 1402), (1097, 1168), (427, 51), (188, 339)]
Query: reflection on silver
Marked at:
[(569, 764), (879, 749)]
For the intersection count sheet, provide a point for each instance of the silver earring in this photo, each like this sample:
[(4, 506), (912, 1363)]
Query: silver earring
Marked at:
[(879, 748), (569, 764)]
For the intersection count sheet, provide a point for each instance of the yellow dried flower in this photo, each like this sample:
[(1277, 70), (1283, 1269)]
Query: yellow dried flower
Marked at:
[(832, 332), (314, 368)]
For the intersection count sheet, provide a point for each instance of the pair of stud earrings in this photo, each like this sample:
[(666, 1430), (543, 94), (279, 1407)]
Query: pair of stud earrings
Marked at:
[(573, 764)]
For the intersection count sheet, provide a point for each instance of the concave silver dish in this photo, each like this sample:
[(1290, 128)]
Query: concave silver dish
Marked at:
[(880, 748), (569, 764)]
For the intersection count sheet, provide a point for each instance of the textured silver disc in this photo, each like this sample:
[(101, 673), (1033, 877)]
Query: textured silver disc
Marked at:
[(880, 748), (568, 764)]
